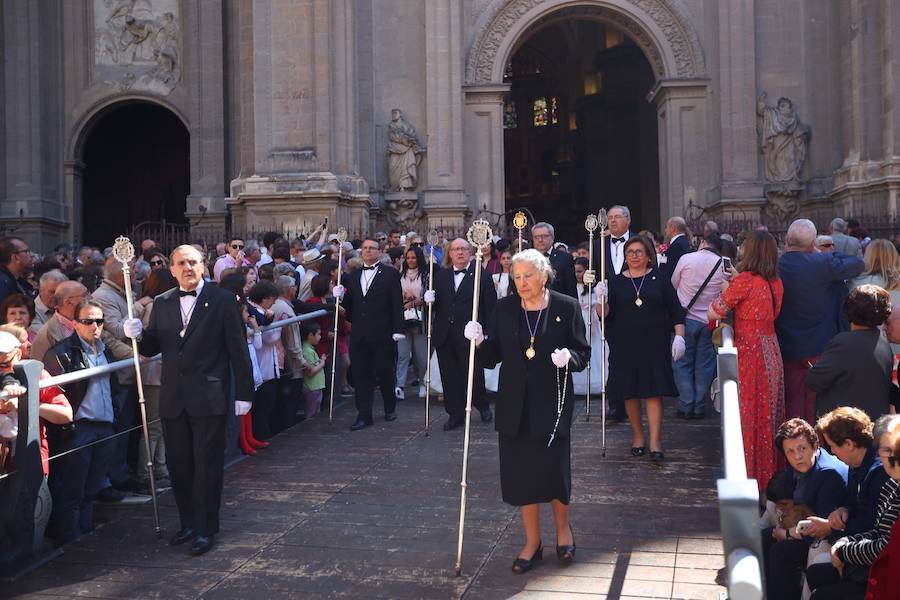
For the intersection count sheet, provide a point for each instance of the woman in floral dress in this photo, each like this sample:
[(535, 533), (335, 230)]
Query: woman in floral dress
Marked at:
[(755, 298)]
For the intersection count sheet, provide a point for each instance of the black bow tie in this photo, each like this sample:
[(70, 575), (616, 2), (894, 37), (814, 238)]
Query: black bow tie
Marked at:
[(460, 272), (365, 268), (183, 293), (617, 240)]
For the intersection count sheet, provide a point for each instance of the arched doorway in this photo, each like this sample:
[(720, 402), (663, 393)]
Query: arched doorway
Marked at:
[(578, 130), (136, 159)]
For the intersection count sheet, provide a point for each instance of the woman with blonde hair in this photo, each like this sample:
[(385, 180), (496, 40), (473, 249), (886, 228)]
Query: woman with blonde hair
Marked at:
[(883, 270)]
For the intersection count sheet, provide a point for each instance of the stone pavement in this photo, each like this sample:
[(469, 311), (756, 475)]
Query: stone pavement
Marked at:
[(327, 513)]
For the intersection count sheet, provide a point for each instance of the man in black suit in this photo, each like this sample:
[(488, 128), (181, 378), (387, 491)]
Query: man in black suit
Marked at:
[(676, 233), (454, 290), (374, 304), (199, 331), (563, 266)]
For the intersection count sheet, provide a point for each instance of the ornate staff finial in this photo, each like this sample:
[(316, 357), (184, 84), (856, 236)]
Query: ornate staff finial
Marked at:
[(520, 221), (601, 218), (591, 222), (479, 233), (342, 234), (122, 250), (432, 238)]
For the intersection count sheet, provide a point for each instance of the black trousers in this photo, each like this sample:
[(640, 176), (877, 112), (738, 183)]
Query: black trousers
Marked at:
[(784, 562), (453, 360), (195, 456), (370, 360), (826, 584), (264, 403)]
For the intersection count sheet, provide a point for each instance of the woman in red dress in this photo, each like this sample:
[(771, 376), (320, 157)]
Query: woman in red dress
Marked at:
[(755, 297)]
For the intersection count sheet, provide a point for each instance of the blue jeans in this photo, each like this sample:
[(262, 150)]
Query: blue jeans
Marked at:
[(695, 370)]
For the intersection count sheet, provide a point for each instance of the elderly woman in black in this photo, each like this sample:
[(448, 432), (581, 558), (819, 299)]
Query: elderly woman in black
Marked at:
[(538, 335), (857, 364)]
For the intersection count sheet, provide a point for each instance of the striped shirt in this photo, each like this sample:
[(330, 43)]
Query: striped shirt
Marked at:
[(863, 548)]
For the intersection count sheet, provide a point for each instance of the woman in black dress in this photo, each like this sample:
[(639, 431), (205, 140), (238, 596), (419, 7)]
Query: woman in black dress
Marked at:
[(538, 335), (641, 312)]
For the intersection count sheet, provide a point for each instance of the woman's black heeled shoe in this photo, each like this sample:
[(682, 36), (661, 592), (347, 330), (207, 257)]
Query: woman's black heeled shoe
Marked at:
[(523, 565), (638, 450), (566, 553)]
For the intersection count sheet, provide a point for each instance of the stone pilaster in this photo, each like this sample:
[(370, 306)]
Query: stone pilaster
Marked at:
[(484, 141)]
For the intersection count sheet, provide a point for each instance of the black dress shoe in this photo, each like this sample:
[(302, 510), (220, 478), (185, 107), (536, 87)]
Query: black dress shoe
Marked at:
[(487, 415), (185, 534), (681, 414), (391, 416), (360, 424), (657, 456), (566, 553), (523, 565), (699, 416), (452, 423), (201, 544)]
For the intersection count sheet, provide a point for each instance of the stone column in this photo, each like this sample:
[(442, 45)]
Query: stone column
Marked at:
[(443, 102), (485, 177), (741, 182), (684, 145)]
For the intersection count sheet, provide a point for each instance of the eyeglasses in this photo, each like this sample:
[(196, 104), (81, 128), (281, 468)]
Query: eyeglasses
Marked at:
[(635, 253), (22, 250), (830, 245), (99, 322), (237, 246)]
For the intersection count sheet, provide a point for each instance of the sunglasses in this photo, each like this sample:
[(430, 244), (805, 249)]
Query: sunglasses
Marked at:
[(90, 321), (237, 246), (153, 263), (826, 245), (381, 239)]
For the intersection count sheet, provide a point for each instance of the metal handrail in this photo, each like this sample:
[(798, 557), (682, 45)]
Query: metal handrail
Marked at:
[(738, 496), (128, 362)]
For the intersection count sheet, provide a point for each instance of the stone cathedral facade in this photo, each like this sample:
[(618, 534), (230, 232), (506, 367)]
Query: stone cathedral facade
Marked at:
[(249, 115)]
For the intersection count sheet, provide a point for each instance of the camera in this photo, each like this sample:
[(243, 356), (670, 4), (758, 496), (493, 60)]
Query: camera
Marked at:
[(726, 263)]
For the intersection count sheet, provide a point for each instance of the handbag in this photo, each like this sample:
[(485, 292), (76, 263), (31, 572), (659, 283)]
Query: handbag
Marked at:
[(413, 317)]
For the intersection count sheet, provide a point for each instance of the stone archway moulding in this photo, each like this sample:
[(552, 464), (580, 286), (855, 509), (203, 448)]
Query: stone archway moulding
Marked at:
[(661, 28)]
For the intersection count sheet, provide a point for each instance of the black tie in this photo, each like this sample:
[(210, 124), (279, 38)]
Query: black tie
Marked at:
[(460, 272), (617, 240), (183, 293), (365, 268)]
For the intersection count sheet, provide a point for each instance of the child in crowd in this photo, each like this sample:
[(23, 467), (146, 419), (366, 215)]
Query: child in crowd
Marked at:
[(314, 377)]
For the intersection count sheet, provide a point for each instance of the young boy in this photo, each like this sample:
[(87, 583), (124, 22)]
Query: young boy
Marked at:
[(313, 377)]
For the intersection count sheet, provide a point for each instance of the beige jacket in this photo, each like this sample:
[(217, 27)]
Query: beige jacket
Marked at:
[(115, 310), (290, 339), (48, 336)]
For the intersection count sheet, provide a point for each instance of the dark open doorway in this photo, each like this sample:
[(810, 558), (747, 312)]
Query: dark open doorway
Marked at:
[(137, 168), (579, 133)]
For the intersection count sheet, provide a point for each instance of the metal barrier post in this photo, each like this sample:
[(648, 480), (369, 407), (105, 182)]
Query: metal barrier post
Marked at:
[(24, 497), (738, 496)]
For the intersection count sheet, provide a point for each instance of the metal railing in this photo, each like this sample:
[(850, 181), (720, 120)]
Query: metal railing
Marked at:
[(738, 496)]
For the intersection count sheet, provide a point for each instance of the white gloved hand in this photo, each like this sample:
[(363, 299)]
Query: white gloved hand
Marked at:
[(241, 408), (398, 336), (678, 348), (428, 297), (561, 358), (590, 277), (133, 328), (602, 290), (473, 331), (338, 291)]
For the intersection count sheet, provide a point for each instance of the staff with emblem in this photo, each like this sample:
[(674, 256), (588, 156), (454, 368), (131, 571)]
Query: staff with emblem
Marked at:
[(341, 237), (539, 337), (520, 222)]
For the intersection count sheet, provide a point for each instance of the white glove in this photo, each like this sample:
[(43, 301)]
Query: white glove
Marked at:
[(602, 290), (133, 328), (428, 297), (398, 336), (241, 408), (590, 277), (473, 331), (677, 348), (338, 291), (561, 358)]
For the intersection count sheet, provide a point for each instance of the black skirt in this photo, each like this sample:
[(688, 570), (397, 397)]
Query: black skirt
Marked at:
[(532, 473)]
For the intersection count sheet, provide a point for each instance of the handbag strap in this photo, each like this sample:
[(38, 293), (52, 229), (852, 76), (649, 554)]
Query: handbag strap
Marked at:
[(703, 286)]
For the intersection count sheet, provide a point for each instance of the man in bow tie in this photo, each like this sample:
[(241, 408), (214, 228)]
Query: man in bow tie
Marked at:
[(563, 266), (452, 296), (373, 301), (199, 330)]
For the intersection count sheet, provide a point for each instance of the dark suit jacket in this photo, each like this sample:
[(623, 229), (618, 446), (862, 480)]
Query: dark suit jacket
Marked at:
[(562, 326), (564, 273), (452, 309), (610, 272), (379, 314), (676, 250), (198, 368), (854, 370)]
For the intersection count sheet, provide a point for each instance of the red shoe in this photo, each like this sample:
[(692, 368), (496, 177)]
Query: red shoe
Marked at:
[(246, 447), (247, 424)]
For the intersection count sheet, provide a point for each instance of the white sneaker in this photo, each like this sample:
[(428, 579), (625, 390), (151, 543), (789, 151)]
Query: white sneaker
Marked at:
[(399, 394), (421, 391)]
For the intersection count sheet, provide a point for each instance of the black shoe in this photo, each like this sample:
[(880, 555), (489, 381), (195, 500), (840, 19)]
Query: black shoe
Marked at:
[(201, 545), (682, 415), (699, 416), (613, 417), (523, 565), (566, 553), (638, 450), (657, 457), (110, 494), (452, 423), (360, 423), (487, 415), (391, 416), (184, 534)]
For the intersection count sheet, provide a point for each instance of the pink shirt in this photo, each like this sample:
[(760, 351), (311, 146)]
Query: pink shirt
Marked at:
[(689, 274), (226, 262)]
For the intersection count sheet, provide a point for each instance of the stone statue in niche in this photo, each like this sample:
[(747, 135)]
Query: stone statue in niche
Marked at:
[(404, 153), (136, 44), (782, 140)]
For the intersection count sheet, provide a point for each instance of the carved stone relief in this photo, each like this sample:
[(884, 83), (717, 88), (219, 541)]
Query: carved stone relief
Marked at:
[(783, 140), (403, 210), (137, 44), (404, 153)]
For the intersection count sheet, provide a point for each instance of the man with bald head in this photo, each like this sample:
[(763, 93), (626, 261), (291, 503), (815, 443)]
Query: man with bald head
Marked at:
[(811, 311), (676, 235), (198, 329), (454, 290), (61, 325)]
